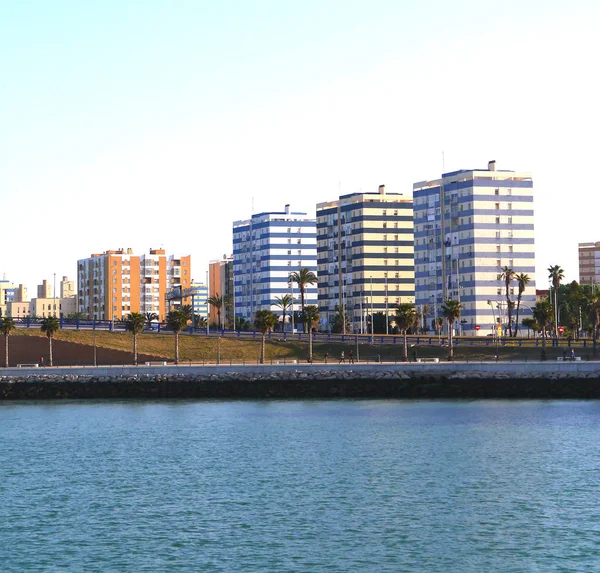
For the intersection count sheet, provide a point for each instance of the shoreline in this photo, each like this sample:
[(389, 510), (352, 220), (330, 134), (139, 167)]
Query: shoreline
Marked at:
[(568, 380)]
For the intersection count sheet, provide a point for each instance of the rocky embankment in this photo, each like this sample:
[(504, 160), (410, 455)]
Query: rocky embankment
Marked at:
[(309, 381)]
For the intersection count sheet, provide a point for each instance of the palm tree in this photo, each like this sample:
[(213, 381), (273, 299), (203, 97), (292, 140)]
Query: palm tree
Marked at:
[(507, 276), (522, 280), (7, 325), (594, 306), (228, 303), (150, 316), (302, 278), (50, 325), (542, 314), (556, 274), (176, 321), (134, 323), (311, 314), (264, 321), (340, 321), (216, 301), (451, 312), (406, 317), (284, 302), (187, 310)]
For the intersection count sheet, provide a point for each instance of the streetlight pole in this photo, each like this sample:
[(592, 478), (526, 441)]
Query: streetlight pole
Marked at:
[(291, 284), (387, 320), (372, 315), (207, 297)]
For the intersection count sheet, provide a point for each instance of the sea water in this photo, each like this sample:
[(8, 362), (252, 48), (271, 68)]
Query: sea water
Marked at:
[(133, 486)]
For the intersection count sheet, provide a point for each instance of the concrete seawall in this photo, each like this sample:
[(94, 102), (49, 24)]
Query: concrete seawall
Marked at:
[(574, 380)]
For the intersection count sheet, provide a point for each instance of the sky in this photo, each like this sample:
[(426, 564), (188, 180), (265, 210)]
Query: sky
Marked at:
[(148, 124)]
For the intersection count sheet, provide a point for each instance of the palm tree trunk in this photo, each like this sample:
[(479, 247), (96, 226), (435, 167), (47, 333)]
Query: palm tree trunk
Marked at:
[(134, 349), (262, 349), (177, 348), (50, 340), (405, 349), (450, 342), (517, 320), (310, 345), (6, 350), (302, 305)]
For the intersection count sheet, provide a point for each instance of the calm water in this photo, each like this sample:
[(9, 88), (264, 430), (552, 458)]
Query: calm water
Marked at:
[(300, 486)]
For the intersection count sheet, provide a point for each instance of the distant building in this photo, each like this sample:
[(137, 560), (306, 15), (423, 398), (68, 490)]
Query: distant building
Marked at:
[(114, 284), (267, 248), (365, 256), (44, 307), (220, 282), (44, 290), (200, 303), (469, 225), (67, 288), (589, 263)]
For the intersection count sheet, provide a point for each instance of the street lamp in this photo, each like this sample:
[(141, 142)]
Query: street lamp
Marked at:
[(372, 316), (291, 285), (495, 327)]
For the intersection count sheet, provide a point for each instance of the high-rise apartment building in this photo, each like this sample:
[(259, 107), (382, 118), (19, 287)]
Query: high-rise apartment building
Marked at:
[(200, 292), (115, 283), (364, 255), (469, 225), (266, 249), (589, 263), (220, 282)]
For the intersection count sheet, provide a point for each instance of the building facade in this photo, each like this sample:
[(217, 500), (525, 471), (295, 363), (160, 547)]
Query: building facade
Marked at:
[(266, 249), (469, 225), (114, 284), (200, 299), (589, 263), (220, 282), (365, 256)]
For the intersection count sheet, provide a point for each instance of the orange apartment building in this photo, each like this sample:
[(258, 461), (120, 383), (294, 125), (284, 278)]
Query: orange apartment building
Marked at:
[(115, 283), (220, 281)]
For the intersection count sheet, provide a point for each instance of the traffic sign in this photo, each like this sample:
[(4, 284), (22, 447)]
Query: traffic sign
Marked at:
[(477, 327), (561, 329)]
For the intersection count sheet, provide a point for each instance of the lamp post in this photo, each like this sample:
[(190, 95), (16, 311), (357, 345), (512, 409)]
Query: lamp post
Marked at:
[(291, 284), (372, 315), (495, 331), (386, 306), (207, 297)]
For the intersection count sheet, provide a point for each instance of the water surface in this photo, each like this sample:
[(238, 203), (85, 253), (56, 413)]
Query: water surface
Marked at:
[(300, 486)]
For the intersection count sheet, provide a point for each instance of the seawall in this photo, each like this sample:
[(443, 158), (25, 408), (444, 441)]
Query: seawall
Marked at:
[(571, 380)]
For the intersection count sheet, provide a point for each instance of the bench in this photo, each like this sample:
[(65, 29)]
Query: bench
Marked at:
[(428, 359), (159, 363), (36, 365), (568, 359)]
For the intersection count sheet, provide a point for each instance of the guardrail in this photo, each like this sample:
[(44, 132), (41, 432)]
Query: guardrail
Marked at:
[(377, 339)]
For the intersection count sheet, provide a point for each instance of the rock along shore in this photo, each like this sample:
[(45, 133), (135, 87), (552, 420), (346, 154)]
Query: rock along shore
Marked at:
[(421, 381)]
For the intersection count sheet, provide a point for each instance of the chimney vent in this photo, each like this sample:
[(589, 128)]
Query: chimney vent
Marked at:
[(382, 189), (492, 165), (287, 209)]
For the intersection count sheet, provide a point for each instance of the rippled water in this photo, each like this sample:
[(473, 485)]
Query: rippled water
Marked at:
[(300, 486)]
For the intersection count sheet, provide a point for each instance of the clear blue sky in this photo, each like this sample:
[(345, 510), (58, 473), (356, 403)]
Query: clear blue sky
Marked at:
[(149, 123)]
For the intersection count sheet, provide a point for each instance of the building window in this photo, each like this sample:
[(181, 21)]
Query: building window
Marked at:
[(497, 191), (396, 213), (510, 248), (384, 225), (499, 291), (497, 248), (510, 220), (497, 206), (510, 206), (497, 220), (497, 234), (385, 212)]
